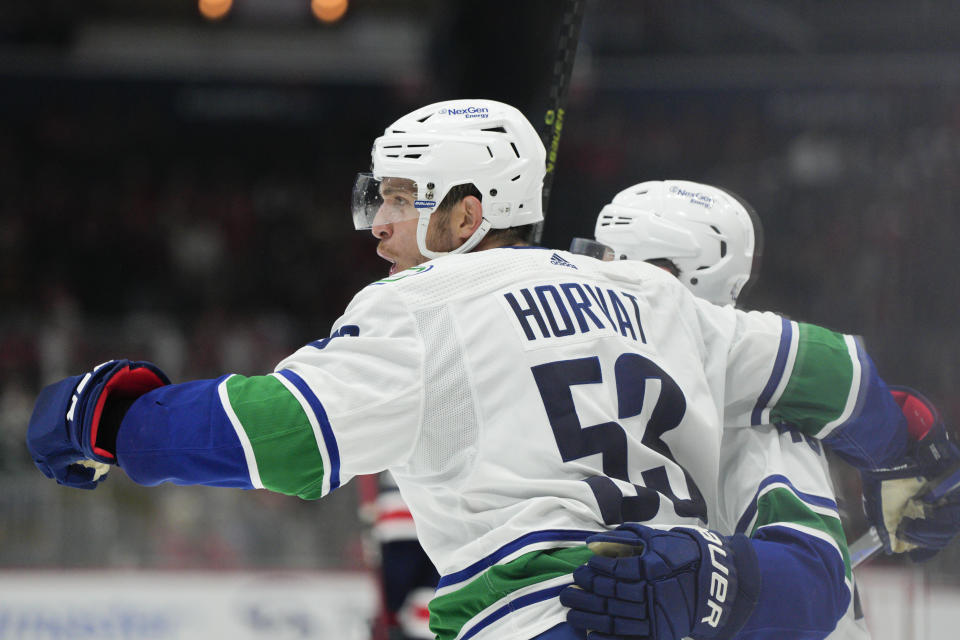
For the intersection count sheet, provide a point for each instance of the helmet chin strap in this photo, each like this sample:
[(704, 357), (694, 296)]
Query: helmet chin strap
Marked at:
[(424, 222)]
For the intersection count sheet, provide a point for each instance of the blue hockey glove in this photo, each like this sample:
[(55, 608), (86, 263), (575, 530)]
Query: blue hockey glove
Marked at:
[(72, 431), (892, 495), (930, 527), (663, 585)]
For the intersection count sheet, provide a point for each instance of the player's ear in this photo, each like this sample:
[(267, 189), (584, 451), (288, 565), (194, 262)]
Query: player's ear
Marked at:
[(472, 216)]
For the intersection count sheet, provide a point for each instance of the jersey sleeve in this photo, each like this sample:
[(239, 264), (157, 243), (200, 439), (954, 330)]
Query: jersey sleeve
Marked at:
[(337, 407), (775, 489), (821, 382)]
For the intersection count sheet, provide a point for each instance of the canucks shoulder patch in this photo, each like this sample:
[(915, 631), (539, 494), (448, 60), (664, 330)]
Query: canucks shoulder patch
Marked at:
[(412, 271), (560, 262)]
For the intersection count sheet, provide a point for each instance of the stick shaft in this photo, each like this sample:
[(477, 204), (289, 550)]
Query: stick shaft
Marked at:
[(553, 119)]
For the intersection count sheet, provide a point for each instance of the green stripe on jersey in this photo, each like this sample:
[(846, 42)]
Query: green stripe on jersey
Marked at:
[(782, 506), (280, 433), (819, 384), (448, 613)]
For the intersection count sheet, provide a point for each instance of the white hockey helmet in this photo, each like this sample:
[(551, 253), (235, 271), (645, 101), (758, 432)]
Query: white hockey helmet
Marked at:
[(481, 142), (712, 236)]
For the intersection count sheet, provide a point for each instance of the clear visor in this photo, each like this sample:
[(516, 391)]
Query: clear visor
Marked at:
[(592, 248), (379, 201)]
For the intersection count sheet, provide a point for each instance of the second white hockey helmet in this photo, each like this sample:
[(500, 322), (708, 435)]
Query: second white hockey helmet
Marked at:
[(710, 235), (482, 142)]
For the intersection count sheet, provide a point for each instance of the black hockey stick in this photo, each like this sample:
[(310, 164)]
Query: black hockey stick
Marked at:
[(552, 126), (867, 545)]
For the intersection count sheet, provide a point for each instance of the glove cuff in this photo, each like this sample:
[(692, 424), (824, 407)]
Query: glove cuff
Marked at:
[(126, 382), (103, 399), (729, 583), (919, 412), (748, 585)]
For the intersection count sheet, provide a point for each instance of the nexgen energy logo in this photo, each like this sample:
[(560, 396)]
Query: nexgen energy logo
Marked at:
[(695, 196), (467, 112)]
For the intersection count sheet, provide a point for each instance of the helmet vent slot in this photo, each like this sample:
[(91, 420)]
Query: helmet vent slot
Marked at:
[(425, 118), (515, 178), (723, 248), (512, 145), (606, 221), (495, 130), (412, 156), (490, 151)]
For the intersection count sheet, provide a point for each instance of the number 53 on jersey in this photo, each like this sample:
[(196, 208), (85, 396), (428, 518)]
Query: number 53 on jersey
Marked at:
[(633, 375)]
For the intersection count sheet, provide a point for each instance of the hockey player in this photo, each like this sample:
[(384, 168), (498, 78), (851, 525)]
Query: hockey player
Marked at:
[(525, 400), (771, 476), (706, 237)]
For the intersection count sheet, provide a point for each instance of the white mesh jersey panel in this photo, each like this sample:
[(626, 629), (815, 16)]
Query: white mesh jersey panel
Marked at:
[(449, 430)]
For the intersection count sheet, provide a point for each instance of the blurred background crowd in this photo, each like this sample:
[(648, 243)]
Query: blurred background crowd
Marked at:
[(176, 188)]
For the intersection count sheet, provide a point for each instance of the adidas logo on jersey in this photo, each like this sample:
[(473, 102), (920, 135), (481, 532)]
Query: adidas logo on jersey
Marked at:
[(560, 262)]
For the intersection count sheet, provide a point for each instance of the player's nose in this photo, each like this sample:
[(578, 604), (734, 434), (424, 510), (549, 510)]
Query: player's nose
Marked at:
[(381, 228), (382, 231)]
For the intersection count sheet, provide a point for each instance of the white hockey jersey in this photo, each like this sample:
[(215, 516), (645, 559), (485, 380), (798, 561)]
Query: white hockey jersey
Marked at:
[(524, 399)]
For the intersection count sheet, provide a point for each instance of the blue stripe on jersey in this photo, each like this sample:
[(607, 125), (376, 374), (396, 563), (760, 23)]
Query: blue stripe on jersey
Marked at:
[(780, 363), (809, 498), (180, 433), (875, 434), (329, 440), (513, 605), (549, 535)]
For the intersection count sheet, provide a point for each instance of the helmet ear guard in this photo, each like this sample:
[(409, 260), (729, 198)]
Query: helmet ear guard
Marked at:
[(481, 142), (709, 234)]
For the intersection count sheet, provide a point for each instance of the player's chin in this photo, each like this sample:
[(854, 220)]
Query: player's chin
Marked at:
[(396, 266)]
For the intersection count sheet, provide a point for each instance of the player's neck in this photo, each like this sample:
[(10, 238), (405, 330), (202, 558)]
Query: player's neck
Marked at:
[(499, 242)]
